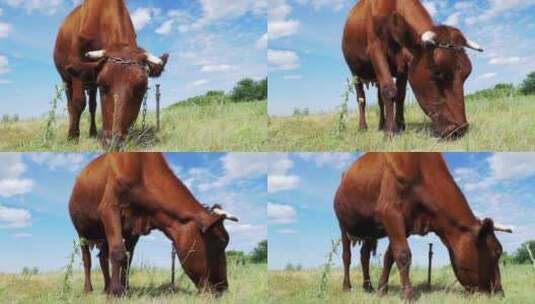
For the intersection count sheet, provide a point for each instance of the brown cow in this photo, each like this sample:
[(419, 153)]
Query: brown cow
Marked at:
[(120, 196), (400, 194), (96, 48), (397, 38)]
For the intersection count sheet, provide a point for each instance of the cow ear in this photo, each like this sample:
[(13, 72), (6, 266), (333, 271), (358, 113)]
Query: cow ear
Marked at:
[(85, 70), (207, 224), (487, 226), (399, 29), (156, 69)]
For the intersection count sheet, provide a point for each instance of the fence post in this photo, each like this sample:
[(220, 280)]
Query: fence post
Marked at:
[(158, 107), (429, 266), (173, 253)]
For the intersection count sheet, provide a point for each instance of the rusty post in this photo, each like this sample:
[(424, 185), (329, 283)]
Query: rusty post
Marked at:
[(173, 253), (158, 95), (429, 266)]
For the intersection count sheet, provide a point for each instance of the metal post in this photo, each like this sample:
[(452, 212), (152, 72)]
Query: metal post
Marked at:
[(429, 266), (173, 253), (158, 95)]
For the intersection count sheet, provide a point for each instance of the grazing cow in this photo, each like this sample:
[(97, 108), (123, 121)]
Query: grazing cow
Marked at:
[(96, 48), (120, 196), (400, 194), (384, 39)]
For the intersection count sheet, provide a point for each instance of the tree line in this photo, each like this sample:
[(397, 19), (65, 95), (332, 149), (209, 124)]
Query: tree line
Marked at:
[(259, 255), (527, 87)]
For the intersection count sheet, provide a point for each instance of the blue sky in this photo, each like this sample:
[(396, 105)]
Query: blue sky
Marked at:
[(302, 223), (36, 230), (212, 44), (307, 69)]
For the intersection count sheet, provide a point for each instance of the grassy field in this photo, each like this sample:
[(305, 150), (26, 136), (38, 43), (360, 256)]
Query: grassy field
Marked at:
[(496, 125), (304, 287), (212, 127), (248, 284)]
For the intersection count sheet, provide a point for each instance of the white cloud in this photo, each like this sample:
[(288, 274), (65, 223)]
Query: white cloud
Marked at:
[(431, 7), (217, 10), (262, 42), (292, 77), (278, 178), (48, 7), (319, 4), (4, 29), (142, 16), (505, 60), (281, 214), (11, 169), (335, 160), (165, 28), (488, 75), (1, 11), (278, 23), (463, 5), (4, 64), (23, 235), (211, 68), (67, 161), (198, 83), (238, 166), (287, 231), (453, 19), (14, 217), (282, 59), (512, 166)]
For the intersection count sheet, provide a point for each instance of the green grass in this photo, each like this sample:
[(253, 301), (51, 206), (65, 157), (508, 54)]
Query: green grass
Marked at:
[(211, 127), (501, 124), (247, 284), (302, 287)]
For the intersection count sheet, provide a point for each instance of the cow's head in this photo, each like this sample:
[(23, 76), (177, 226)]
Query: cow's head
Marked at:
[(437, 71), (202, 254), (475, 257), (122, 77)]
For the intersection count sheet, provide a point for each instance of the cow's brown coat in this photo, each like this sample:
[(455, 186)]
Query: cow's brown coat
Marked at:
[(400, 194)]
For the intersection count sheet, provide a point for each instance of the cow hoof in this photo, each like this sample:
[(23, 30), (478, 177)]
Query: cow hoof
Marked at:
[(92, 133), (347, 288), (401, 126), (408, 295), (368, 288), (117, 291), (383, 290), (88, 289), (363, 127)]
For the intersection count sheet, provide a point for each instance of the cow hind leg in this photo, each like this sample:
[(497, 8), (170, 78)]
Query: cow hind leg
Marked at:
[(381, 111), (86, 257), (92, 110), (75, 106), (346, 257), (401, 84), (361, 100), (105, 266), (387, 266), (368, 246)]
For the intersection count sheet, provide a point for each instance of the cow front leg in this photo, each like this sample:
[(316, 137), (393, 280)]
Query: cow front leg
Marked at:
[(109, 214), (75, 107), (401, 84), (361, 100), (130, 244), (387, 266), (386, 87), (367, 247), (105, 266), (394, 224), (92, 110), (346, 256), (86, 257)]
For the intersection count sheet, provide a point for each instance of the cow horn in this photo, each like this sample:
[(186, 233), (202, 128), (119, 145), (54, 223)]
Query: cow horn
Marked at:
[(473, 45), (95, 54), (502, 228), (429, 37), (227, 215), (153, 59)]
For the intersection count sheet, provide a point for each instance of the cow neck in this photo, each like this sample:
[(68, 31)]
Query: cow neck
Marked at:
[(415, 15), (171, 195), (448, 204)]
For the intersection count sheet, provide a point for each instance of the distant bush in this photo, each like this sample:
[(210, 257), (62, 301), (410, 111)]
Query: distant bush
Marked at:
[(27, 271), (292, 267), (521, 255), (498, 91), (528, 86), (249, 90), (301, 112), (260, 253), (236, 257)]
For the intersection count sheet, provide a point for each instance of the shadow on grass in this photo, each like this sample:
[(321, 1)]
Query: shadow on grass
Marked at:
[(422, 289), (157, 291)]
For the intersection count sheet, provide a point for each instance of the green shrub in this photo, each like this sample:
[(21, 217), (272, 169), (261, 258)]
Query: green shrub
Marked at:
[(528, 86)]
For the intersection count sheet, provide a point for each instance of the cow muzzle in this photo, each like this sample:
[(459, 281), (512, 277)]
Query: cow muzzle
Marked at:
[(454, 132)]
